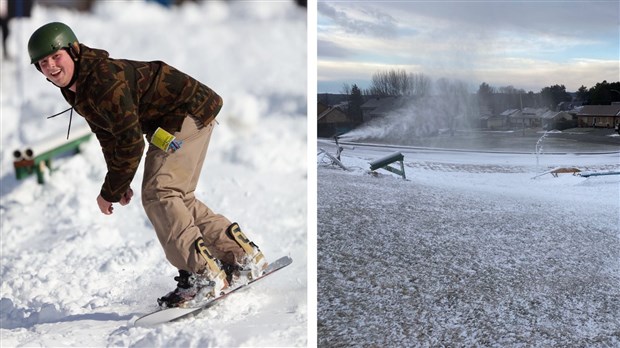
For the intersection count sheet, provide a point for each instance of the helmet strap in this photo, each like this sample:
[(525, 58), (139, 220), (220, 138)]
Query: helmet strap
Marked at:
[(74, 51)]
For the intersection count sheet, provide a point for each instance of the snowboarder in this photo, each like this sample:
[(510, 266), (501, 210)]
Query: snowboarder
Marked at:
[(123, 99)]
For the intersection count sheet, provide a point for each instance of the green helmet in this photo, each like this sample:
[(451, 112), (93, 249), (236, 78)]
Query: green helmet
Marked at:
[(49, 39)]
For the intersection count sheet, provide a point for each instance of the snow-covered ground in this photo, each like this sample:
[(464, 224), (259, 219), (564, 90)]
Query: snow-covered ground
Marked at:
[(74, 277), (469, 251)]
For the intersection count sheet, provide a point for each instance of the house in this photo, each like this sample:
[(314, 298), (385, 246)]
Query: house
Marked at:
[(378, 107), (373, 104), (321, 107), (557, 120), (528, 117), (600, 116), (501, 121), (485, 114), (568, 105), (332, 121)]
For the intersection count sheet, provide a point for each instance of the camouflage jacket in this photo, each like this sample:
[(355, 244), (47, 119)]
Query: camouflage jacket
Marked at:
[(122, 99)]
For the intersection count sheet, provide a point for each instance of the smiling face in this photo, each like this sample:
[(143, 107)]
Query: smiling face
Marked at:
[(58, 68)]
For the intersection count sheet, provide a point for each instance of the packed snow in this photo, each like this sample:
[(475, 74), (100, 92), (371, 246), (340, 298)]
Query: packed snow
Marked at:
[(74, 277), (473, 249)]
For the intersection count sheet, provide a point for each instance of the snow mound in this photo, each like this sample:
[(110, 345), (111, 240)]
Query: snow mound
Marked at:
[(74, 277)]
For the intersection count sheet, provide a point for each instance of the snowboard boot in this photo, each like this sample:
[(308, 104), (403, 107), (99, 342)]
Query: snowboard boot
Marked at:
[(192, 288), (252, 265), (214, 271), (185, 291)]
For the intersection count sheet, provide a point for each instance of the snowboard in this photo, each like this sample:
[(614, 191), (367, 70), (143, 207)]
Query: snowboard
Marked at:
[(175, 313)]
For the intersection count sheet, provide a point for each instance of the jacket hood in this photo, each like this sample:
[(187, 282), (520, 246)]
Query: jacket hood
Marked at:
[(89, 57), (92, 53)]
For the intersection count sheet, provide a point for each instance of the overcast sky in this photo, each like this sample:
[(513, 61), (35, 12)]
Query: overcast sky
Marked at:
[(525, 44)]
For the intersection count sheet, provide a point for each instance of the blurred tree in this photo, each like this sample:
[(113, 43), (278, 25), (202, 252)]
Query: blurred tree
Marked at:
[(583, 94), (8, 10), (346, 89), (165, 3), (604, 93), (80, 5), (495, 101), (553, 95), (354, 111), (485, 99)]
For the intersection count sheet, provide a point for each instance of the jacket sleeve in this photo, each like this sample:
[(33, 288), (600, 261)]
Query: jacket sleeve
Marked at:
[(106, 141), (123, 142)]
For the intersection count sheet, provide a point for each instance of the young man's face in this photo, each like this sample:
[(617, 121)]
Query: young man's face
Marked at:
[(58, 68)]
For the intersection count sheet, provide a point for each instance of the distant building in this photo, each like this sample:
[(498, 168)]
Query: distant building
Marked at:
[(503, 120), (378, 107), (557, 120), (600, 116), (332, 121), (526, 118)]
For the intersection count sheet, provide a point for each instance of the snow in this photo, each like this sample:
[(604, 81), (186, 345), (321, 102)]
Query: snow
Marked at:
[(469, 251), (74, 277)]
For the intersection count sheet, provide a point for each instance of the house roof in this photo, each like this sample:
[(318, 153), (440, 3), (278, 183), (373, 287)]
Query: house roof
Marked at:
[(527, 113), (335, 111), (537, 112), (509, 112), (600, 110), (385, 105), (390, 105), (374, 103), (321, 107), (550, 115)]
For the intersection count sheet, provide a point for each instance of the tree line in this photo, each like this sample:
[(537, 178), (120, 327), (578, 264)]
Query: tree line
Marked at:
[(491, 100), (551, 97)]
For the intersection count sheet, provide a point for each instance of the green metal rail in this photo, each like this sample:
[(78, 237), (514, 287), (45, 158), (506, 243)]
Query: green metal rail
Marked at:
[(25, 164), (384, 163)]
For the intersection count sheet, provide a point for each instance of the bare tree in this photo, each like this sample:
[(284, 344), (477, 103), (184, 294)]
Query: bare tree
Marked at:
[(346, 89), (399, 83)]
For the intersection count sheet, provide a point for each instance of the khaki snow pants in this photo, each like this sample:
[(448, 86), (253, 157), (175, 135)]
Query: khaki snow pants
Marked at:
[(179, 218)]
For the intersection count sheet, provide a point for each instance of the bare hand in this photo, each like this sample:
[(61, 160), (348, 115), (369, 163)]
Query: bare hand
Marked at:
[(126, 197), (104, 206)]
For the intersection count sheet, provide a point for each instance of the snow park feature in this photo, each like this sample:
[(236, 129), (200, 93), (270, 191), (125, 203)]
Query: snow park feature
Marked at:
[(588, 174), (38, 158), (332, 159), (469, 251), (384, 163), (73, 277)]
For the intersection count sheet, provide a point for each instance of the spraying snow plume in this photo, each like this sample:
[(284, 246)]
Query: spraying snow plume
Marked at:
[(404, 120), (414, 119)]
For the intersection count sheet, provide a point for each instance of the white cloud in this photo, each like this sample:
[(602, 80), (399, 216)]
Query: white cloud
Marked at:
[(529, 45), (365, 20)]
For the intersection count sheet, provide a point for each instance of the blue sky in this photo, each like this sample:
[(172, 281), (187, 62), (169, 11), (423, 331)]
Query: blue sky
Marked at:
[(525, 44)]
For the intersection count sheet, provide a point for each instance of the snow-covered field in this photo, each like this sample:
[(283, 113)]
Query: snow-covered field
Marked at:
[(74, 277), (469, 251)]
